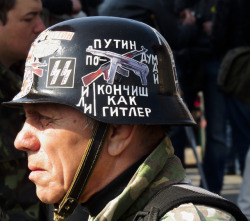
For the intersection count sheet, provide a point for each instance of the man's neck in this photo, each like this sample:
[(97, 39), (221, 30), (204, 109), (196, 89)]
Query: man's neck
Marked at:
[(98, 201)]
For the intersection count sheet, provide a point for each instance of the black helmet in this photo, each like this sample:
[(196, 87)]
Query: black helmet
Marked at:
[(114, 70)]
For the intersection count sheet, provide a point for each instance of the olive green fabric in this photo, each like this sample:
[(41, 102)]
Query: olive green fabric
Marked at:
[(234, 74), (18, 200)]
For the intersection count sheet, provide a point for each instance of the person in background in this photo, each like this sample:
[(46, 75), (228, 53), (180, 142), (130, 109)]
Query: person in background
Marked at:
[(243, 200), (158, 14), (61, 7), (198, 67), (20, 24), (231, 29), (233, 20), (55, 11)]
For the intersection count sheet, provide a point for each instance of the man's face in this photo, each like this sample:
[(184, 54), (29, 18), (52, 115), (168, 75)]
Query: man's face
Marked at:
[(55, 138), (22, 27)]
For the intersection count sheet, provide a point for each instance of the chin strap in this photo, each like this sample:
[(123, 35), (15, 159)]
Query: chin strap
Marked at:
[(70, 200)]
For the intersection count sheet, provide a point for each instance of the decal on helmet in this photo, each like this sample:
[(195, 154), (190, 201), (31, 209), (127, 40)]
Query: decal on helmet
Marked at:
[(47, 43), (118, 99), (120, 64), (61, 72), (163, 40)]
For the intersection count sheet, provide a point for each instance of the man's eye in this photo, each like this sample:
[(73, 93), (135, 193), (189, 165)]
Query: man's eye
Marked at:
[(28, 20), (45, 121)]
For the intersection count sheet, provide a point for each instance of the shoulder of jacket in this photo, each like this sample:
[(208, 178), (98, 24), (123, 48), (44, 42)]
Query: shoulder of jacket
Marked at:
[(194, 212)]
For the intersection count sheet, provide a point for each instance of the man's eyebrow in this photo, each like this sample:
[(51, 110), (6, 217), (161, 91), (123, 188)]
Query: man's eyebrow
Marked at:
[(34, 13)]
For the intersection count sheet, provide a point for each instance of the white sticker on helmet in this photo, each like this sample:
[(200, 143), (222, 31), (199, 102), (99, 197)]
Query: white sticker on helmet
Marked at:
[(46, 44), (61, 73)]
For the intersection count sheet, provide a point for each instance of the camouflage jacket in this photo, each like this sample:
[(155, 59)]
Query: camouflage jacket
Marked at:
[(11, 120), (160, 169), (18, 200)]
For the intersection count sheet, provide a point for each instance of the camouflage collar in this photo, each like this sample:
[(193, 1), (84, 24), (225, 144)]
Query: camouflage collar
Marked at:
[(161, 168)]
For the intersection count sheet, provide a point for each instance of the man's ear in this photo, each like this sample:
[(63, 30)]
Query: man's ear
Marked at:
[(119, 137)]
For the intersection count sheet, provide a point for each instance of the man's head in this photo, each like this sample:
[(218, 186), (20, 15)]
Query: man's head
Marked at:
[(20, 24), (92, 79)]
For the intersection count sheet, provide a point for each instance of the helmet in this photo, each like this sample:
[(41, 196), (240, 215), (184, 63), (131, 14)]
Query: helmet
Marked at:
[(113, 70)]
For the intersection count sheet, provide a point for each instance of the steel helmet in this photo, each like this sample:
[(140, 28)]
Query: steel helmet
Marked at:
[(113, 70)]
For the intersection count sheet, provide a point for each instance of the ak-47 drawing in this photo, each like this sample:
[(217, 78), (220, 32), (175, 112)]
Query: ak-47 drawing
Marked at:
[(118, 63)]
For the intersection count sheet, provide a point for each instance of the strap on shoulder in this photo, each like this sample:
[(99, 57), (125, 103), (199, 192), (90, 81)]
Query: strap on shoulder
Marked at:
[(172, 196)]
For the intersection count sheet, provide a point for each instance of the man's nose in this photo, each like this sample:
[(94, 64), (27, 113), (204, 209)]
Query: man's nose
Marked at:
[(39, 27), (27, 139)]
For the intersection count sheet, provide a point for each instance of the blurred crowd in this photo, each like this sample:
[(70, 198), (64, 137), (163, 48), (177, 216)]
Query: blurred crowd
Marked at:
[(200, 33)]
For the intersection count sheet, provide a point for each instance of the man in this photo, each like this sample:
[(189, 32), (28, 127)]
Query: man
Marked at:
[(96, 93), (20, 24)]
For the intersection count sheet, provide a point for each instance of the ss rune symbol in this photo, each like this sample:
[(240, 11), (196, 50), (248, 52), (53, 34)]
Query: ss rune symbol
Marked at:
[(61, 73)]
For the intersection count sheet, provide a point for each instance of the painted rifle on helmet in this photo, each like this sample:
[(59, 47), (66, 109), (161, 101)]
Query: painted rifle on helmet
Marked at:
[(118, 63)]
